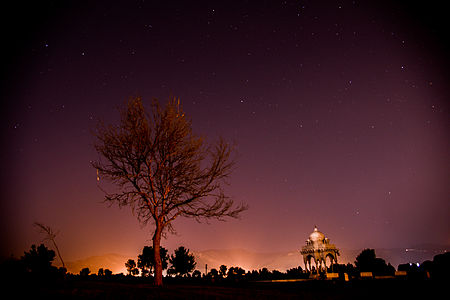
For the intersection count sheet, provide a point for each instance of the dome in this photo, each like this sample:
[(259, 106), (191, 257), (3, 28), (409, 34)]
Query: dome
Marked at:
[(316, 235)]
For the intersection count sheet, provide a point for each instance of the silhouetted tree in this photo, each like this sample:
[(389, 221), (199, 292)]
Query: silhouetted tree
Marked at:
[(389, 269), (131, 267), (253, 275), (367, 261), (135, 272), (108, 273), (341, 269), (235, 273), (196, 274), (213, 273), (264, 274), (277, 274), (295, 272), (100, 272), (50, 236), (182, 262), (441, 266), (426, 268), (163, 170), (39, 260), (146, 260), (350, 270), (85, 272), (223, 271)]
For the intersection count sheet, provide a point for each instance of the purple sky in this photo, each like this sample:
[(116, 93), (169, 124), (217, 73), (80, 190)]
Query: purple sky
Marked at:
[(339, 111)]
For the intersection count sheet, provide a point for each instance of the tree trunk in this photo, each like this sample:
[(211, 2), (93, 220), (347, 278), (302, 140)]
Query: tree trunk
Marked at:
[(158, 264)]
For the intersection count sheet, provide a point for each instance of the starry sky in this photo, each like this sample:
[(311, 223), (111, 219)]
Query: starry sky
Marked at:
[(338, 109)]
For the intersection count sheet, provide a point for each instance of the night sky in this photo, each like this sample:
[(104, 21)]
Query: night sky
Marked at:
[(339, 111)]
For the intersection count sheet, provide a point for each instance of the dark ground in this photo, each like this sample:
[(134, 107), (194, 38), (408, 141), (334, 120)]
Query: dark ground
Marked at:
[(370, 289)]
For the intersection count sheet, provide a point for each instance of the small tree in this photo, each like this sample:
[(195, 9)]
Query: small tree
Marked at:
[(223, 271), (131, 266), (146, 260), (264, 274), (235, 273), (367, 261), (100, 272), (182, 262), (38, 260), (213, 273), (162, 170), (85, 272)]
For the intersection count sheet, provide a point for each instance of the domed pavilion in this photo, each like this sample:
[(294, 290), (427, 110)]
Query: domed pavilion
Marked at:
[(318, 248)]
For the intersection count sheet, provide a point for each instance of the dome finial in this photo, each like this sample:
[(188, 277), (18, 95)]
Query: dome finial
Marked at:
[(316, 235)]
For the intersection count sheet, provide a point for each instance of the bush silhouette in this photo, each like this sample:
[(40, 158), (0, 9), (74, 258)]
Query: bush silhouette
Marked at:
[(38, 262), (85, 272), (223, 271), (367, 261), (182, 262), (441, 266)]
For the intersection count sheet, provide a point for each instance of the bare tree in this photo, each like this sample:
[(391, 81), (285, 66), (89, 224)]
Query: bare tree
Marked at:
[(162, 170), (50, 236)]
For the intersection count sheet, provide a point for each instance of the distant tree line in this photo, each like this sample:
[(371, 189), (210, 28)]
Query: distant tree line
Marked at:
[(36, 265), (234, 274)]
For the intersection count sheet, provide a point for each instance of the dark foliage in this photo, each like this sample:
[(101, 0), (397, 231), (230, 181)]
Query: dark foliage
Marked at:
[(182, 262), (223, 271), (441, 266), (235, 273), (197, 274), (85, 272), (131, 267), (146, 260), (367, 261), (38, 260), (295, 273)]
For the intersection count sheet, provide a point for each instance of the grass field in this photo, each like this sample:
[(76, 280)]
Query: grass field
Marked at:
[(371, 289)]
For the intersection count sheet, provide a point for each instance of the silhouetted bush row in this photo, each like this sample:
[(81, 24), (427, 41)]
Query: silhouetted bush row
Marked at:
[(438, 268), (36, 265)]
